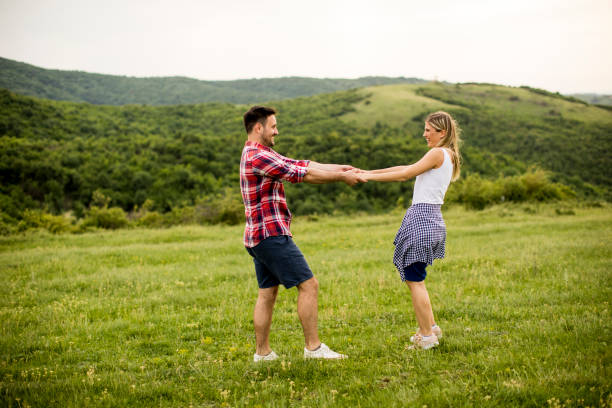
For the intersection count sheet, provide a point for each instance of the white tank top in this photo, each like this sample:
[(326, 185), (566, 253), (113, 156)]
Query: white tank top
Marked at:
[(431, 186)]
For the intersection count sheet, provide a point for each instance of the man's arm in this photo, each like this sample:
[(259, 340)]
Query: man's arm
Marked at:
[(271, 164), (330, 167)]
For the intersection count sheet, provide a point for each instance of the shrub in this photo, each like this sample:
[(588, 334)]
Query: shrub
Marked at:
[(477, 193), (180, 215), (534, 182), (107, 218), (151, 219), (144, 217), (513, 189), (34, 219), (226, 208), (8, 225)]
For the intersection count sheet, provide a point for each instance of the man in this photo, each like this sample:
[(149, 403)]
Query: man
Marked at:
[(267, 237)]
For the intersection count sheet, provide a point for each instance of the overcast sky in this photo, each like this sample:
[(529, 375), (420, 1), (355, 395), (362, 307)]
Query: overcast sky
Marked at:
[(559, 45)]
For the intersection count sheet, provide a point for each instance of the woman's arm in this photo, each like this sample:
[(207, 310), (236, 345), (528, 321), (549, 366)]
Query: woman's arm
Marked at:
[(432, 159), (387, 170)]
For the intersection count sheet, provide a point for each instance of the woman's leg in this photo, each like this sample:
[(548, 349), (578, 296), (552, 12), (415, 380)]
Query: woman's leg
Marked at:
[(422, 307)]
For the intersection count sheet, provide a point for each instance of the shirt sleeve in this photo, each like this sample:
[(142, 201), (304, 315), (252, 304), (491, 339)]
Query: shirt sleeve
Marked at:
[(302, 163), (279, 167)]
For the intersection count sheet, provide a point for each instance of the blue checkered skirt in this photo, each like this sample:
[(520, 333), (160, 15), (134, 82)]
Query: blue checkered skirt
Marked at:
[(421, 237)]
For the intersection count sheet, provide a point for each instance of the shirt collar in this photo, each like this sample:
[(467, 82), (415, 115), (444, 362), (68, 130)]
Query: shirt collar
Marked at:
[(257, 145)]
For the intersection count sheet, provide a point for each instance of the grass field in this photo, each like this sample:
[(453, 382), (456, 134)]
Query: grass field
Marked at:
[(163, 317)]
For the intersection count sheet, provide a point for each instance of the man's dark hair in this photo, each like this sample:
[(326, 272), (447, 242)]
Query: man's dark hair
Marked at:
[(257, 114)]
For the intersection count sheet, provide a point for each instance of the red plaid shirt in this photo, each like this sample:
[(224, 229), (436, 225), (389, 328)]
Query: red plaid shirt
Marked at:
[(262, 171)]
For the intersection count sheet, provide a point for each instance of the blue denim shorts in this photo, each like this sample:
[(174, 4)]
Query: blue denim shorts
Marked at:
[(415, 272), (278, 260)]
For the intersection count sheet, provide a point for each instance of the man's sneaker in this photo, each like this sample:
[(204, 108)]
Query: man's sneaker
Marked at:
[(435, 330), (424, 343), (269, 357), (323, 352)]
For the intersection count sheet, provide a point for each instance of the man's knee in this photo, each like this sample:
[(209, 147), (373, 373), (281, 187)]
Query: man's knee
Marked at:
[(310, 286), (268, 294)]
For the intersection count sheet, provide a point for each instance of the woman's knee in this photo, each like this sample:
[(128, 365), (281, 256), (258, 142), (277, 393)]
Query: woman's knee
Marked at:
[(416, 285)]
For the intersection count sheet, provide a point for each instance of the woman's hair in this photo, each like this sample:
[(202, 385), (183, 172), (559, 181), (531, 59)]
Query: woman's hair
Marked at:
[(451, 140)]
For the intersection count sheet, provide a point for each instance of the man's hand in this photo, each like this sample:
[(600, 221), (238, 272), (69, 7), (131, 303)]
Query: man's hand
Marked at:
[(353, 176), (345, 167)]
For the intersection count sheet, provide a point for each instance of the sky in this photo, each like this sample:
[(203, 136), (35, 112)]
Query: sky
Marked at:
[(559, 45)]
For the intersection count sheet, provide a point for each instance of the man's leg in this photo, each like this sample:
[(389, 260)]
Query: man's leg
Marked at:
[(262, 319), (422, 306), (308, 292)]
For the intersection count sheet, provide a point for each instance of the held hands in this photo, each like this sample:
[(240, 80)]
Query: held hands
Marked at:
[(364, 175), (353, 175)]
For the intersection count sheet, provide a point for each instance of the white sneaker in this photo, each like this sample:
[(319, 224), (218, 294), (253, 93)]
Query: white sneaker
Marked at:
[(269, 357), (435, 330), (424, 343), (323, 352)]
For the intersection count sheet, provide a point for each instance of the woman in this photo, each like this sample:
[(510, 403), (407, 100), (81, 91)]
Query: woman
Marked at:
[(422, 236)]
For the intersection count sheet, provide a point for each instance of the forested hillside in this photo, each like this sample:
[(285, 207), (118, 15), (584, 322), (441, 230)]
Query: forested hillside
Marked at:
[(77, 86), (65, 156)]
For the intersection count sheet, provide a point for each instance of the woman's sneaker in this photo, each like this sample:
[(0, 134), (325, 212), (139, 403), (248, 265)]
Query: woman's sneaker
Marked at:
[(323, 352), (435, 330), (424, 342), (269, 357)]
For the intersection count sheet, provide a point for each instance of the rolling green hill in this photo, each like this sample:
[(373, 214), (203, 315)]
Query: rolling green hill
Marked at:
[(561, 134), (595, 99), (101, 89), (57, 156)]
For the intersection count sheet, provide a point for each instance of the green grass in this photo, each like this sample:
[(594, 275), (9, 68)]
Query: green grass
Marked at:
[(163, 317)]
